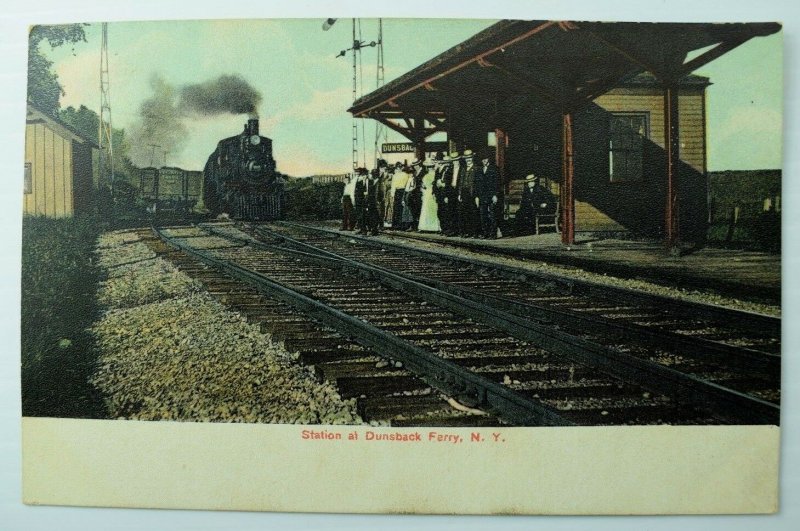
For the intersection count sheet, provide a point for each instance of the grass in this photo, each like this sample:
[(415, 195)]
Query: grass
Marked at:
[(59, 281)]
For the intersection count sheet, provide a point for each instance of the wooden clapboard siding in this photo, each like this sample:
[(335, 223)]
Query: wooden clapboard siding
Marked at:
[(692, 139), (29, 200), (50, 156), (691, 112), (50, 150), (69, 181), (39, 172), (590, 219)]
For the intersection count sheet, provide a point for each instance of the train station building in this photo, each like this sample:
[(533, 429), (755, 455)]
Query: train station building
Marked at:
[(608, 114)]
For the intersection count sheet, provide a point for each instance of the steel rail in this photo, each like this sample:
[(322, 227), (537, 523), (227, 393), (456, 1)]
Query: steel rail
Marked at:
[(699, 348), (439, 373), (750, 320), (683, 387)]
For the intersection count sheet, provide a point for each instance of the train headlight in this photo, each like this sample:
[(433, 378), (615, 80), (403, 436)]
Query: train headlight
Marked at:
[(255, 140)]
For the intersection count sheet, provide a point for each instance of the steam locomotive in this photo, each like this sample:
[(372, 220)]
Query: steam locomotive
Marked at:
[(240, 177)]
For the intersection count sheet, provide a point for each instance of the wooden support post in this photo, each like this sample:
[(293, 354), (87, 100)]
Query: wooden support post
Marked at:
[(419, 137), (672, 149), (567, 182), (500, 154)]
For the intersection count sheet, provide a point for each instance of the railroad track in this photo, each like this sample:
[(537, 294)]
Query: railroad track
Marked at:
[(734, 349), (431, 341)]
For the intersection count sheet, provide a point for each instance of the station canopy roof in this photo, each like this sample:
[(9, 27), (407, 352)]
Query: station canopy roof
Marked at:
[(562, 64)]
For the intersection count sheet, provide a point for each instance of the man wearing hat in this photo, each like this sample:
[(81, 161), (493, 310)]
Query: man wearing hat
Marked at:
[(536, 200), (486, 186), (407, 216), (439, 191), (359, 191), (468, 216), (415, 195), (449, 217), (373, 200)]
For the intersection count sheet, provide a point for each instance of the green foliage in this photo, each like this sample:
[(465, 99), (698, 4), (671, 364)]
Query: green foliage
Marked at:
[(87, 122), (84, 120), (59, 281), (748, 192), (44, 90), (308, 200)]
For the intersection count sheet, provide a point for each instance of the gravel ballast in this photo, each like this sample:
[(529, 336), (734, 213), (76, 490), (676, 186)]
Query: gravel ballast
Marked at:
[(169, 351)]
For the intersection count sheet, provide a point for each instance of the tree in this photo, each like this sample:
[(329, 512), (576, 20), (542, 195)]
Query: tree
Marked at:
[(83, 120), (86, 122), (44, 90)]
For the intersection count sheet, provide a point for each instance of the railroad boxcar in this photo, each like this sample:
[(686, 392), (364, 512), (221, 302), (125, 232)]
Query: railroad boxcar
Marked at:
[(148, 184), (240, 177), (193, 188), (171, 189)]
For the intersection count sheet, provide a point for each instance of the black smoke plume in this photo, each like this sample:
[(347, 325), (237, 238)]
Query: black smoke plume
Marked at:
[(224, 95), (160, 127)]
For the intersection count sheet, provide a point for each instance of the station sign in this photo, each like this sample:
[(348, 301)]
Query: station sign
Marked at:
[(408, 147)]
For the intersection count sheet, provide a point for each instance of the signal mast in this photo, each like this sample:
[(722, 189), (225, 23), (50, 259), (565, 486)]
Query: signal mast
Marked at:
[(358, 86)]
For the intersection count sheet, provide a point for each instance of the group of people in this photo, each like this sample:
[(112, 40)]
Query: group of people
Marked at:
[(456, 195)]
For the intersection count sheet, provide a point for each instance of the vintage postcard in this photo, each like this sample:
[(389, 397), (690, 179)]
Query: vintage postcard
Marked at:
[(395, 265)]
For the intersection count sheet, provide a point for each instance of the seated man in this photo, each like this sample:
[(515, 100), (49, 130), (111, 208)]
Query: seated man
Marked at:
[(536, 201)]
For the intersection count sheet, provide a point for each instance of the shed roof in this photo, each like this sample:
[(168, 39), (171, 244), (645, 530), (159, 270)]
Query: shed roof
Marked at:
[(565, 64), (36, 115)]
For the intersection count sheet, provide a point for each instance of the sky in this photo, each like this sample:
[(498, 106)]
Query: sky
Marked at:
[(306, 89)]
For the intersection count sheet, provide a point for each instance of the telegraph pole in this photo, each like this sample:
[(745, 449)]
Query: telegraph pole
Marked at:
[(152, 153)]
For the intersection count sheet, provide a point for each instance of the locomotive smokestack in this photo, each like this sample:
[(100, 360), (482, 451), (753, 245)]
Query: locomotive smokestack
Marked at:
[(252, 126)]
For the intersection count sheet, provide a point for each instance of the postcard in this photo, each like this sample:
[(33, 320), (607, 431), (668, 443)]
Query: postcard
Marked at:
[(396, 265)]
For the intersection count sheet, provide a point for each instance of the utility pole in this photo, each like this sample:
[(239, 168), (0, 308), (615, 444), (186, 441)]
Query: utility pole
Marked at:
[(153, 153), (380, 130), (105, 132)]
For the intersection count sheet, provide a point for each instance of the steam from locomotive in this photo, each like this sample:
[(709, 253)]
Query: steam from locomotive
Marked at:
[(240, 177)]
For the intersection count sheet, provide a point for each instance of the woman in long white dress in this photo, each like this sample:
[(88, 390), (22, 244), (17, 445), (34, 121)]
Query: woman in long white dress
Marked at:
[(429, 216)]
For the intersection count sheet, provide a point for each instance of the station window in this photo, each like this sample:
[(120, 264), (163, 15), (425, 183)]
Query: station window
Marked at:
[(625, 146), (28, 184)]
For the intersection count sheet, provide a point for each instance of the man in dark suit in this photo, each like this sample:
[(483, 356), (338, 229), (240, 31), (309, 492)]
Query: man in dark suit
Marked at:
[(415, 196), (536, 200), (359, 192), (486, 185), (448, 217), (373, 203), (469, 224)]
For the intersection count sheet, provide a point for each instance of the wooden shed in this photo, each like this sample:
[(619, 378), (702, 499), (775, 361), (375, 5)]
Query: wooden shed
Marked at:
[(60, 168)]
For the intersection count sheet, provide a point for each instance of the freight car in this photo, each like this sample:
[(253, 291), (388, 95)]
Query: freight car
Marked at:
[(240, 177), (169, 189)]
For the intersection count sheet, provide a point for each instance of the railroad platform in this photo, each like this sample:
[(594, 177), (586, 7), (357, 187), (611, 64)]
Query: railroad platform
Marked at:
[(741, 274)]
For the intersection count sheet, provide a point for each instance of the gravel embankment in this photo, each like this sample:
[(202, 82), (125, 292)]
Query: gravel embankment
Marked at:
[(580, 274), (171, 352)]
